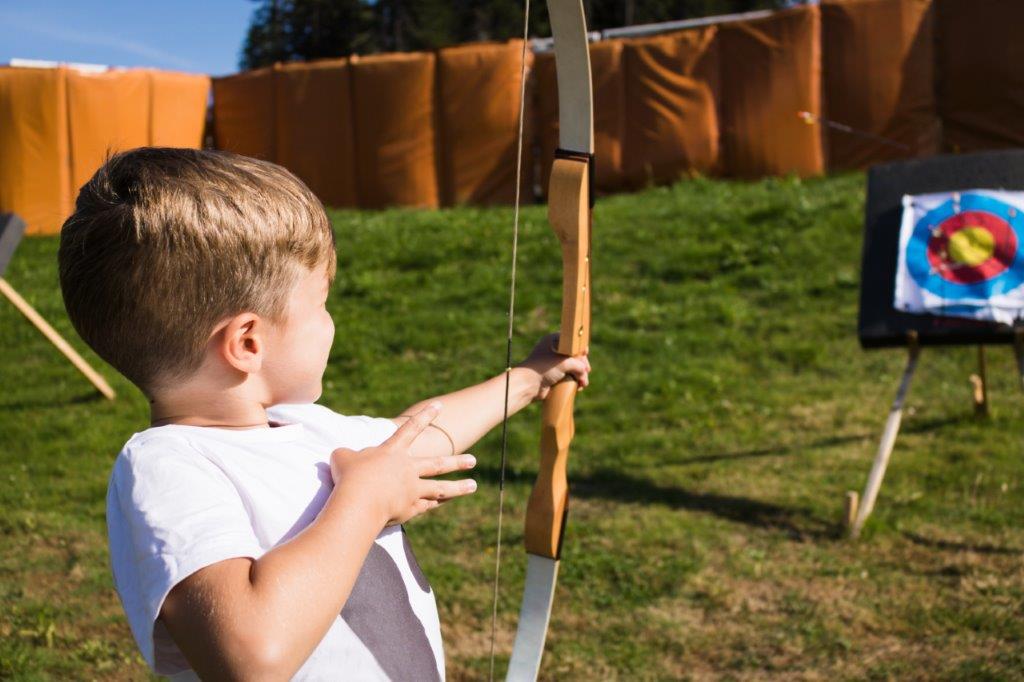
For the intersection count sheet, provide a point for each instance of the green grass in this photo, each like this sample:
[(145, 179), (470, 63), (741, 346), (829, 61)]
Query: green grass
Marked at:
[(730, 410)]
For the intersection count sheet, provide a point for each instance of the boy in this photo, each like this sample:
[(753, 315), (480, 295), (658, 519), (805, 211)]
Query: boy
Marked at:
[(254, 534)]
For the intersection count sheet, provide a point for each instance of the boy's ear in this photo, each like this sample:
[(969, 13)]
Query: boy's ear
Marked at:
[(241, 342)]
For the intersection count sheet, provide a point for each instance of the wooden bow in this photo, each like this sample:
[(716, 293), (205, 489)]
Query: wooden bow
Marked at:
[(570, 198)]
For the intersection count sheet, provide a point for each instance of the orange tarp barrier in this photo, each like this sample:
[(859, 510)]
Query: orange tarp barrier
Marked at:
[(314, 128), (878, 75), (670, 106), (478, 116), (107, 112), (770, 71), (545, 115), (57, 126), (243, 113), (34, 177), (393, 112), (609, 113), (177, 109), (980, 64)]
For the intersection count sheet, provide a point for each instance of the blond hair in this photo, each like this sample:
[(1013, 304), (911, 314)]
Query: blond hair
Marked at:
[(166, 243)]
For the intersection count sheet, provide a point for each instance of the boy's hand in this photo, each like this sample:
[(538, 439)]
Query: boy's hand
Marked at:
[(391, 480), (550, 367)]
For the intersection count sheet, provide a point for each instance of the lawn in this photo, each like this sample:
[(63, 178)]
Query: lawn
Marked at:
[(730, 410)]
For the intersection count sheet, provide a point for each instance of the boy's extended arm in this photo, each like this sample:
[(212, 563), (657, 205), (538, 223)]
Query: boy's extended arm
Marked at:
[(471, 412), (261, 619)]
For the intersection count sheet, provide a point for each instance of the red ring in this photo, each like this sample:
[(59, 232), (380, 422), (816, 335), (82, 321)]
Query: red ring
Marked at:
[(1003, 252)]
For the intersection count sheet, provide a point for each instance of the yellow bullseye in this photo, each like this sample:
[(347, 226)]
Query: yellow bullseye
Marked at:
[(971, 246)]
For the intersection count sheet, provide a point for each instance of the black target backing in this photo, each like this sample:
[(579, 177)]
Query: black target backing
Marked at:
[(879, 324)]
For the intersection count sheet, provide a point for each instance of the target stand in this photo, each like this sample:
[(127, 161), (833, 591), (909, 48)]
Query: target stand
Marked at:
[(967, 248), (12, 228)]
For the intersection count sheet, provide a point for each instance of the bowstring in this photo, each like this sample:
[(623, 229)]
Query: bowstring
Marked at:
[(511, 319)]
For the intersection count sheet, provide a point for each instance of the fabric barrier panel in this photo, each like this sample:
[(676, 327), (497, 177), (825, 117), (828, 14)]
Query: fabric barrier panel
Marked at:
[(980, 63), (670, 105), (243, 114), (609, 114), (34, 177), (178, 109), (878, 79), (393, 114), (478, 114), (314, 128), (770, 72), (107, 112), (545, 117)]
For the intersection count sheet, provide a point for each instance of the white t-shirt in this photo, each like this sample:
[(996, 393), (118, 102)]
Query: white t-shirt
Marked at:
[(184, 497)]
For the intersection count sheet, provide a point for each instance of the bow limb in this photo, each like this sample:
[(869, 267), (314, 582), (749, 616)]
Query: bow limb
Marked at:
[(569, 212)]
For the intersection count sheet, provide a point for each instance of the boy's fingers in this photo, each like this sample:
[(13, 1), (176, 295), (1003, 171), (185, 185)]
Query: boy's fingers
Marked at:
[(435, 466), (577, 367), (425, 505), (412, 428), (445, 490)]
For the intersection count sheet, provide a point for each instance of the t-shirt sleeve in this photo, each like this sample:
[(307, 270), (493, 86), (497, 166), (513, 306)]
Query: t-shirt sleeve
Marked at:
[(170, 512), (375, 430)]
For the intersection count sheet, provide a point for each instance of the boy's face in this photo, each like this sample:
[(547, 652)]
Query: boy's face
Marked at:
[(297, 351)]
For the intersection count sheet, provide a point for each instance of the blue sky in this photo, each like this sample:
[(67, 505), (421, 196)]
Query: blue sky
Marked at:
[(180, 35)]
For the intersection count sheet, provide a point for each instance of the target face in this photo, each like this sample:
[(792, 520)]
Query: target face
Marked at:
[(968, 249)]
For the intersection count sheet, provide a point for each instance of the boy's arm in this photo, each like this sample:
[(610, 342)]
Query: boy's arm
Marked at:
[(261, 619), (472, 412), (258, 619)]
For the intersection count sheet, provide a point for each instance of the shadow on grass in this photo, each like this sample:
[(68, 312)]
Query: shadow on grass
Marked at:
[(952, 546), (799, 523), (772, 451), (923, 426), (49, 404)]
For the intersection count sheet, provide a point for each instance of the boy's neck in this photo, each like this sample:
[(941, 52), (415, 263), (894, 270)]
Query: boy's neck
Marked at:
[(221, 411)]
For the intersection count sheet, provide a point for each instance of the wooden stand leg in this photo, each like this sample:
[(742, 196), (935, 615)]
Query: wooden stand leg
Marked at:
[(979, 385), (850, 508), (1018, 350), (885, 447), (56, 339)]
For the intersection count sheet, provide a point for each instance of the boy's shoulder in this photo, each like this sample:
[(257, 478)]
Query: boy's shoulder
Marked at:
[(165, 462), (350, 431), (306, 421), (303, 413)]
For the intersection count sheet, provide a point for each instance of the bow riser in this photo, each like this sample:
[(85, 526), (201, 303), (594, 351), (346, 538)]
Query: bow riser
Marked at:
[(545, 517), (569, 215)]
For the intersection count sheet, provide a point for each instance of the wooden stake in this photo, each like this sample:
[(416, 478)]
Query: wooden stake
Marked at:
[(56, 339), (888, 442), (978, 383), (850, 508)]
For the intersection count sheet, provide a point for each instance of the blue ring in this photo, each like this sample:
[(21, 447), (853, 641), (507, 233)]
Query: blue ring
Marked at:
[(917, 251)]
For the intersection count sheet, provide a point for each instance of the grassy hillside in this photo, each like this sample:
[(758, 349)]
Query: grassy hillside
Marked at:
[(730, 410)]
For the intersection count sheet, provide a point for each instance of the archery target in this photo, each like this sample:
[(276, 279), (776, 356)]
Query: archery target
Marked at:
[(962, 254)]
